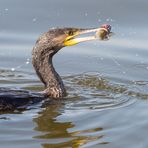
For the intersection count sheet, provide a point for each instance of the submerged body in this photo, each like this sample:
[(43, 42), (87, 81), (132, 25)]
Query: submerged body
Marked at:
[(44, 50)]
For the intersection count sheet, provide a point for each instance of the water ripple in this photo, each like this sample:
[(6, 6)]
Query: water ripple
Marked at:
[(92, 92)]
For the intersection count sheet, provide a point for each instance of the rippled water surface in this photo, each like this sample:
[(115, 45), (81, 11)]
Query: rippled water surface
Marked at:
[(107, 82)]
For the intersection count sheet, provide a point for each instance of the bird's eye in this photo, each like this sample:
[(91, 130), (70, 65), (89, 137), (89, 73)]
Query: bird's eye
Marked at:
[(70, 33)]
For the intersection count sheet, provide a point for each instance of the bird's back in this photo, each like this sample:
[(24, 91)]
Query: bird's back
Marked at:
[(11, 99)]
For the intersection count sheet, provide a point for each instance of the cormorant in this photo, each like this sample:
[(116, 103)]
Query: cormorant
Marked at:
[(45, 48)]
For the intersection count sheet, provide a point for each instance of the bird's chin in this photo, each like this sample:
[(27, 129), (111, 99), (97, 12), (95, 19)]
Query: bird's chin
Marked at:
[(70, 41)]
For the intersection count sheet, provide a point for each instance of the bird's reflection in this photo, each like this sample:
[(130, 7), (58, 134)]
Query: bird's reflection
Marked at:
[(57, 134)]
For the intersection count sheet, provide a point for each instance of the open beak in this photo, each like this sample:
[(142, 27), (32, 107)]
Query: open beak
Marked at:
[(99, 33)]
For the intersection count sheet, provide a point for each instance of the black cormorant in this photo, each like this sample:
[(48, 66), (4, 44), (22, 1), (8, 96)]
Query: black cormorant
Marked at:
[(45, 48)]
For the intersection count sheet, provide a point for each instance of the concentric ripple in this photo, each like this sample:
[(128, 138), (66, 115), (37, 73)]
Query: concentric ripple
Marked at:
[(87, 91)]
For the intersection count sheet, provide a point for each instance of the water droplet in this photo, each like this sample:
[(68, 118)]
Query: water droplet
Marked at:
[(27, 62), (133, 81), (99, 20), (6, 9), (137, 55), (34, 19), (12, 69), (142, 62), (86, 14), (112, 20), (122, 34), (107, 19)]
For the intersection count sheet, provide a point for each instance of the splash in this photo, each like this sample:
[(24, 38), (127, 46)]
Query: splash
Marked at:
[(22, 65)]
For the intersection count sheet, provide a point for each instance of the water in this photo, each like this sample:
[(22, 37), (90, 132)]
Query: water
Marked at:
[(107, 82)]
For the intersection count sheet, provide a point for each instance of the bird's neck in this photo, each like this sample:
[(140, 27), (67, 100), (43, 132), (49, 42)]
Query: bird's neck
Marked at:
[(42, 62)]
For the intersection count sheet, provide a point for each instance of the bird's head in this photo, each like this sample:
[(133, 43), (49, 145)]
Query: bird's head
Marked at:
[(72, 36), (75, 36), (55, 39)]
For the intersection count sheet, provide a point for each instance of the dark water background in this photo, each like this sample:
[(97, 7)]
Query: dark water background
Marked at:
[(107, 82)]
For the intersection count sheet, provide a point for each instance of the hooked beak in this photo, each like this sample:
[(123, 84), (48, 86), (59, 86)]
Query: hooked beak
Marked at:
[(99, 33)]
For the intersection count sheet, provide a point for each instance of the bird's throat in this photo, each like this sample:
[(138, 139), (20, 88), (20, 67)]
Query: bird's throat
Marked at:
[(43, 65)]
